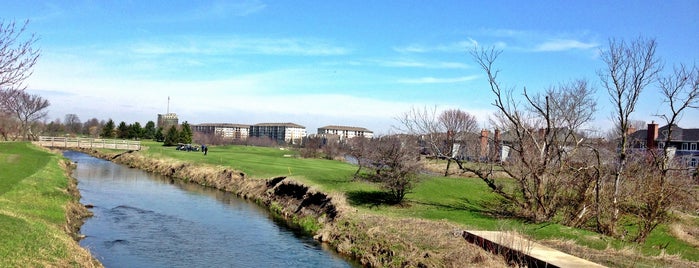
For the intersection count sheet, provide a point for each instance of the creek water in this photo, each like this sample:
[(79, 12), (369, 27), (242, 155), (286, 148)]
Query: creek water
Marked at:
[(144, 220)]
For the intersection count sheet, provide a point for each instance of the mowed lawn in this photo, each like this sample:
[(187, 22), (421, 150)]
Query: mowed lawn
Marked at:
[(32, 215), (466, 201), (264, 163)]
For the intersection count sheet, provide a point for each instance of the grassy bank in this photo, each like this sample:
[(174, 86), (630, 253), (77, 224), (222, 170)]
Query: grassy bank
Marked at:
[(461, 201), (35, 200)]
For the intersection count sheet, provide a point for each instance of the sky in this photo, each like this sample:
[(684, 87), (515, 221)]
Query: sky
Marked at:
[(318, 63)]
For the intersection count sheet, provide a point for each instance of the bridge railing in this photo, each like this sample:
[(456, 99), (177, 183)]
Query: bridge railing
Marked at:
[(68, 142)]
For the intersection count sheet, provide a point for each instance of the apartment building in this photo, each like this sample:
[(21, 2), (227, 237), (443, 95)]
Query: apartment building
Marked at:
[(280, 132), (225, 130), (344, 132)]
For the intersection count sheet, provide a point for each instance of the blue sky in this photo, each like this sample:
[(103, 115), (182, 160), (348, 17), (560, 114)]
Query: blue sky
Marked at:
[(317, 63)]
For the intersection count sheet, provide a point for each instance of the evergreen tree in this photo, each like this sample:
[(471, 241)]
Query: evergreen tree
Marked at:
[(185, 133), (135, 131), (172, 136), (159, 136), (108, 130), (149, 131), (122, 131)]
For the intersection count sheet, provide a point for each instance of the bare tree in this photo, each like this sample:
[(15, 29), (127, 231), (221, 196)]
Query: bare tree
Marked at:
[(358, 148), (17, 56), (439, 132), (72, 123), (631, 67), (457, 124), (397, 164), (92, 127), (664, 181), (311, 147), (9, 127), (26, 108), (546, 145)]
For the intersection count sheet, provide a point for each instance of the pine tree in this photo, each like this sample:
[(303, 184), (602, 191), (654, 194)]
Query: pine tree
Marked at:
[(108, 129), (172, 136)]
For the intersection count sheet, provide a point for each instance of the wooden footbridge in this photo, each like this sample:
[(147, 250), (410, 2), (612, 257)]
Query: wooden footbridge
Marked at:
[(67, 142)]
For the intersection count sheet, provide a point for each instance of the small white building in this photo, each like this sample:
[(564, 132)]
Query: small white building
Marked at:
[(345, 132)]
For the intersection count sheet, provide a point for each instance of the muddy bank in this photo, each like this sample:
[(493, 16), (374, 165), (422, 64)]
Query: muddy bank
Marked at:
[(76, 214), (374, 241)]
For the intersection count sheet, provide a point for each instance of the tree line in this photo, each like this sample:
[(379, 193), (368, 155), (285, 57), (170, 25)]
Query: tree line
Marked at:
[(543, 160)]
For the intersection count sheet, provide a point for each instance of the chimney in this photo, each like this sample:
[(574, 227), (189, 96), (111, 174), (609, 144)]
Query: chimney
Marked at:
[(652, 135), (497, 141), (631, 130), (484, 144)]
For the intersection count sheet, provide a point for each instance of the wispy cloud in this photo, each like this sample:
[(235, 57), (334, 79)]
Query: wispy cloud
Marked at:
[(511, 39), (564, 44), (435, 80), (223, 9), (239, 45), (408, 63), (459, 46)]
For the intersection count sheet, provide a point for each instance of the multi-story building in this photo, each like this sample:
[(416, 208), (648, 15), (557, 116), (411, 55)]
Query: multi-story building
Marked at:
[(683, 142), (225, 130), (167, 120), (280, 132), (344, 132)]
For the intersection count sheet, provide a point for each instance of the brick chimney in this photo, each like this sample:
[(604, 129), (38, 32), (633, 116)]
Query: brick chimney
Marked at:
[(652, 135), (484, 144), (496, 142)]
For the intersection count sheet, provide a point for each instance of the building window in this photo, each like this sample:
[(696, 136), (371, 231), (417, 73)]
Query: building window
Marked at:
[(693, 162), (684, 146), (693, 146), (661, 145)]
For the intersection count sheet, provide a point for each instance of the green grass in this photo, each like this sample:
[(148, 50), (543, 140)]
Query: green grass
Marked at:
[(263, 163), (461, 200), (32, 215)]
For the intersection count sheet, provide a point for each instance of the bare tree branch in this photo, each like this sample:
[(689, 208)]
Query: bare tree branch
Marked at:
[(17, 56)]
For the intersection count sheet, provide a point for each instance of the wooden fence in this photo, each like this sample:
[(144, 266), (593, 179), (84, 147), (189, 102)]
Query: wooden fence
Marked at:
[(66, 142)]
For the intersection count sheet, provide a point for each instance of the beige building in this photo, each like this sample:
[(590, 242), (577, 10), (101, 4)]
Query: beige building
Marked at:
[(345, 132), (280, 132), (167, 120), (225, 130)]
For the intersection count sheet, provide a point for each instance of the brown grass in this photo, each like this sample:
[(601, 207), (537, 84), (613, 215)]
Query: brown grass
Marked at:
[(685, 229), (380, 241), (624, 257)]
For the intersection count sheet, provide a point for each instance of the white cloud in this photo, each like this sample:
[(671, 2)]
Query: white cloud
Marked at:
[(435, 80), (237, 45), (455, 47), (406, 63), (564, 44), (222, 9)]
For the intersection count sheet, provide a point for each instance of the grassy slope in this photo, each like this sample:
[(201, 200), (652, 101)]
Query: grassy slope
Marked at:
[(456, 199), (32, 215)]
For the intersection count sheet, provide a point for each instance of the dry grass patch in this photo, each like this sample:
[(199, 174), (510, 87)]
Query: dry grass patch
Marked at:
[(686, 229), (381, 241), (629, 256)]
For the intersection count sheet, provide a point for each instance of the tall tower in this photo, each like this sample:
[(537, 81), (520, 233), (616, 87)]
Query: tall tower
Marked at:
[(168, 119)]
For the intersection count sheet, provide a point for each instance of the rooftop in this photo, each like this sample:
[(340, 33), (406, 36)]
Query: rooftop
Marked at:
[(222, 125), (346, 128), (279, 125)]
